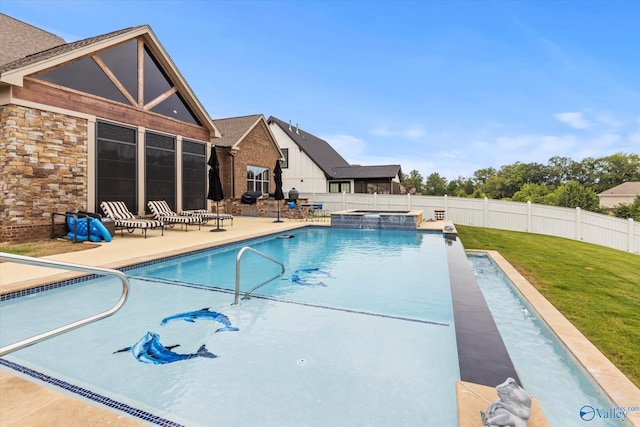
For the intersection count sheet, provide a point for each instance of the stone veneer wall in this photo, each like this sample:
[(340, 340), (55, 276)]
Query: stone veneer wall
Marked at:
[(44, 170)]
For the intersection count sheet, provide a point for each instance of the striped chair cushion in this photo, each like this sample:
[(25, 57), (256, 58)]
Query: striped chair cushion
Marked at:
[(161, 211), (209, 215), (116, 210), (138, 223)]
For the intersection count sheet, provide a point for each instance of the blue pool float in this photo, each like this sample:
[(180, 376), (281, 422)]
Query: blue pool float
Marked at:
[(96, 233)]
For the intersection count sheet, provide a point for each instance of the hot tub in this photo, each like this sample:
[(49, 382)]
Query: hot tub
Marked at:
[(377, 219)]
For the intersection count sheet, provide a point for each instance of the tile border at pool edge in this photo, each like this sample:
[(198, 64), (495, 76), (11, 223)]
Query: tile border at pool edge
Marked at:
[(69, 275), (613, 382)]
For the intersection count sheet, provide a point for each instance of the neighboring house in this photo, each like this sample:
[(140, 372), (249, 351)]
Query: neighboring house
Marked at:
[(248, 152), (624, 193), (311, 165), (105, 118)]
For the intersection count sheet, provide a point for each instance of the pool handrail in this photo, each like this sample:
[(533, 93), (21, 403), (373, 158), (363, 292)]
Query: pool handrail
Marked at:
[(238, 258), (42, 262)]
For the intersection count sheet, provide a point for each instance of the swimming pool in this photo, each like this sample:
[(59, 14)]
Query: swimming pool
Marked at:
[(359, 331), (354, 342)]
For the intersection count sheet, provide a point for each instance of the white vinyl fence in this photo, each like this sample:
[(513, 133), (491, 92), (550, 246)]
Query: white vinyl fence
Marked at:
[(576, 224)]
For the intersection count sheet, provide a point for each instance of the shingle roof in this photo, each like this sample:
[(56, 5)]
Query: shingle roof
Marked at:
[(19, 39), (333, 164), (631, 188), (367, 172), (317, 149), (64, 48), (233, 128)]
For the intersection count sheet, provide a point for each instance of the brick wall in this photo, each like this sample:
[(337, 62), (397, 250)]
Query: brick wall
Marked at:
[(44, 170), (256, 149)]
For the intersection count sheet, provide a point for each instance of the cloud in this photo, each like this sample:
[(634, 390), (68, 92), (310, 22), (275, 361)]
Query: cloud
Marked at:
[(575, 120), (413, 132), (348, 146)]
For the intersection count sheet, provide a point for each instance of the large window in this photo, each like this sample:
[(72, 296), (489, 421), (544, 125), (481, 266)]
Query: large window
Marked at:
[(99, 73), (257, 179), (160, 171), (116, 164), (194, 175), (340, 187)]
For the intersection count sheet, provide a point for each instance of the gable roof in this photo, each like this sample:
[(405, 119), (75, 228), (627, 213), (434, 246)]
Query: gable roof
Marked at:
[(234, 129), (19, 39), (329, 161), (13, 73), (631, 188), (318, 150)]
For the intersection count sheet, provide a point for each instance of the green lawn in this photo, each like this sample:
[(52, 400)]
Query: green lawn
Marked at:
[(596, 288)]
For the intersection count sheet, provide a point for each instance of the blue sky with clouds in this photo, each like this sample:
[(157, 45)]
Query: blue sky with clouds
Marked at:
[(437, 86)]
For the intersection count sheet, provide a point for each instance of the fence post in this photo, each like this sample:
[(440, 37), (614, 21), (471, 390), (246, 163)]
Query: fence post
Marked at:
[(578, 223), (446, 207), (375, 201), (344, 200), (528, 216), (485, 213), (408, 201), (631, 227)]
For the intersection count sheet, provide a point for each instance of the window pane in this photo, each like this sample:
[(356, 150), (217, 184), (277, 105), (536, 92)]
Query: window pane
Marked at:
[(85, 75), (175, 107), (155, 81), (116, 165), (194, 175), (160, 171), (122, 60), (285, 153)]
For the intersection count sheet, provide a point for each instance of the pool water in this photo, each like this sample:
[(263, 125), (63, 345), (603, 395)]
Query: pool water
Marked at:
[(546, 369), (366, 339)]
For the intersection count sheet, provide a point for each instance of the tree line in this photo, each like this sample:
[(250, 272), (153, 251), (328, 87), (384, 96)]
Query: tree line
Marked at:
[(561, 182)]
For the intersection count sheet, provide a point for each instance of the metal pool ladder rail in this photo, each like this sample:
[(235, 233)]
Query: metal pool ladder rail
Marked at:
[(238, 258), (40, 262)]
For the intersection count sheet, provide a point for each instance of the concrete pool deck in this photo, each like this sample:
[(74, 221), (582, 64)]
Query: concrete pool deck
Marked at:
[(24, 403)]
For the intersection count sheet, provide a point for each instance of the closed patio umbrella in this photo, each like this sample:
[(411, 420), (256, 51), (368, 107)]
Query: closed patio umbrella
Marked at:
[(278, 195), (215, 186)]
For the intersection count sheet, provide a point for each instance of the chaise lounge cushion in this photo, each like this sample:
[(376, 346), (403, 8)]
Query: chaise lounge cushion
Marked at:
[(123, 218), (162, 212)]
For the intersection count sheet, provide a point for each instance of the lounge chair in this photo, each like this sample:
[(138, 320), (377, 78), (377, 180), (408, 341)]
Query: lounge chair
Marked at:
[(124, 219), (206, 216), (162, 212)]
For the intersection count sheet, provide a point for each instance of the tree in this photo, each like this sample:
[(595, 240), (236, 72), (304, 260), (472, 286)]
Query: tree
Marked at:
[(628, 211), (574, 195), (615, 169), (414, 180), (435, 185), (460, 187), (534, 193)]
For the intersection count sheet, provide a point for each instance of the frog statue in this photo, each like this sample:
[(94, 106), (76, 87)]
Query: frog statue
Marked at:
[(512, 408)]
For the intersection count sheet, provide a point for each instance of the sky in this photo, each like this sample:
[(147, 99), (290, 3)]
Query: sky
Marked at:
[(447, 87)]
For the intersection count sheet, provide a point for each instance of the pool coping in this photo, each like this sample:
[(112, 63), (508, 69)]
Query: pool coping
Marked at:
[(622, 392)]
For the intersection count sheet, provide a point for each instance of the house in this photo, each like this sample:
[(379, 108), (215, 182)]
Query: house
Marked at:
[(248, 152), (108, 118), (624, 193), (311, 165)]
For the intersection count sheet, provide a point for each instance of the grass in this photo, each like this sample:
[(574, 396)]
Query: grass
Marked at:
[(45, 247), (596, 288)]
